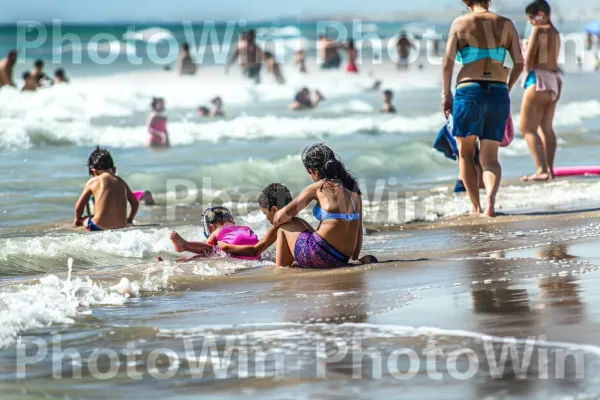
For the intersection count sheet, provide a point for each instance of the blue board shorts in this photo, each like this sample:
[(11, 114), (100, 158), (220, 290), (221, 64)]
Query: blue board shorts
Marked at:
[(92, 227), (481, 109)]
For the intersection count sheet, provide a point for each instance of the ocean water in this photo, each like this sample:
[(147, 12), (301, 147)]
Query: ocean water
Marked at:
[(46, 137)]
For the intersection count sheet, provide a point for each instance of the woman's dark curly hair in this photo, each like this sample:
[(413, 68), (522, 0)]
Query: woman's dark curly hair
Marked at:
[(329, 167)]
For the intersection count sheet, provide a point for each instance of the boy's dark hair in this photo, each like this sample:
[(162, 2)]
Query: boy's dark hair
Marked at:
[(100, 159), (60, 73), (472, 3), (26, 75), (388, 92), (38, 63), (538, 5), (275, 195)]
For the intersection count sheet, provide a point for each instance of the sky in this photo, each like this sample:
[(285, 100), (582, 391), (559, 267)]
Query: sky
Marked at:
[(198, 10)]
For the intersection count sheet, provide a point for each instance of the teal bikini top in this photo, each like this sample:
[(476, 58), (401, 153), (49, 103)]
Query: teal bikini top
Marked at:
[(322, 215), (468, 55)]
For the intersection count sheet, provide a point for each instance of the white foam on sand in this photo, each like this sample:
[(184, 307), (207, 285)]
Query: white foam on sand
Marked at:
[(432, 206), (52, 301)]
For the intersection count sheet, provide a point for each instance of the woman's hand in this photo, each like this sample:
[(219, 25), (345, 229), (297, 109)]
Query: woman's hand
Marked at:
[(280, 219), (447, 104)]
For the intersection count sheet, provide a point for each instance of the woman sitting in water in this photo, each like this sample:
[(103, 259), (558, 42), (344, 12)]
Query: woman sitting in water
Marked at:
[(480, 40), (303, 100), (543, 87), (157, 125), (338, 239)]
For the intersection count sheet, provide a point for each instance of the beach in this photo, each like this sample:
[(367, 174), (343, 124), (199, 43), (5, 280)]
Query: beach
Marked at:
[(225, 328)]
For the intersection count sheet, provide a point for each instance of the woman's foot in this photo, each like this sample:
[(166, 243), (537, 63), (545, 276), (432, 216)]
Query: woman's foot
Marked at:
[(178, 242), (537, 177), (491, 208), (368, 259)]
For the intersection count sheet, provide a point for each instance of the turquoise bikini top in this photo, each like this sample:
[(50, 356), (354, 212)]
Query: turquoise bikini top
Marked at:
[(322, 215), (468, 55)]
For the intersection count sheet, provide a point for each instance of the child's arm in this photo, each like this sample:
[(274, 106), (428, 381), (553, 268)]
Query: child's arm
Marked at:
[(252, 251), (212, 239), (81, 203), (133, 202)]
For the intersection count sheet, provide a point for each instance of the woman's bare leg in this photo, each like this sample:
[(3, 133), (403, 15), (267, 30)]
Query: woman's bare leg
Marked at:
[(532, 112), (492, 173), (468, 171), (549, 137)]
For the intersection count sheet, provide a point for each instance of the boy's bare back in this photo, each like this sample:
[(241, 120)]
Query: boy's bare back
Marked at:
[(110, 200)]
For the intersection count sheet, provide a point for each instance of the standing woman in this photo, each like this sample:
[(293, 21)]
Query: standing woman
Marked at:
[(480, 40), (543, 87), (338, 239), (157, 125), (352, 54)]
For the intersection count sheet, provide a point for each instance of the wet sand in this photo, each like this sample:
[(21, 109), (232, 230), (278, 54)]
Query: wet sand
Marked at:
[(459, 284)]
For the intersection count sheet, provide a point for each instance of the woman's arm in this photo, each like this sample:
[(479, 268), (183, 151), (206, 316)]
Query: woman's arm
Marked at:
[(359, 240), (517, 55), (448, 69), (252, 251), (532, 48), (286, 214)]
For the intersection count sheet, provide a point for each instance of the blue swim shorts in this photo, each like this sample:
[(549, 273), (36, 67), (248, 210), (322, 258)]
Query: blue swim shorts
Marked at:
[(481, 109)]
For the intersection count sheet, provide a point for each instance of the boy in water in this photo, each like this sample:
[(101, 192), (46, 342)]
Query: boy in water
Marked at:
[(30, 83), (273, 67), (111, 195), (39, 75), (273, 198), (388, 107)]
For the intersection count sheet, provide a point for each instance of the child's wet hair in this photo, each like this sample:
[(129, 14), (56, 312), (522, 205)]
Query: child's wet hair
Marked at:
[(538, 6), (100, 160), (26, 75), (275, 195), (155, 101), (39, 63), (388, 92), (214, 215), (327, 164)]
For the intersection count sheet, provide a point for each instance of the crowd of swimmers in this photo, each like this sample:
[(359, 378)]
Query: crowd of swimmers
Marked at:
[(32, 80), (480, 107), (339, 210)]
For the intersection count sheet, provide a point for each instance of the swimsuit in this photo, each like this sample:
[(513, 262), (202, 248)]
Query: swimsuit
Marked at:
[(160, 126), (312, 251), (92, 227), (469, 54), (238, 236), (332, 63), (253, 72)]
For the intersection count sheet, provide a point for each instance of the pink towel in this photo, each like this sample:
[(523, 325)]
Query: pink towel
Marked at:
[(548, 80), (509, 132)]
